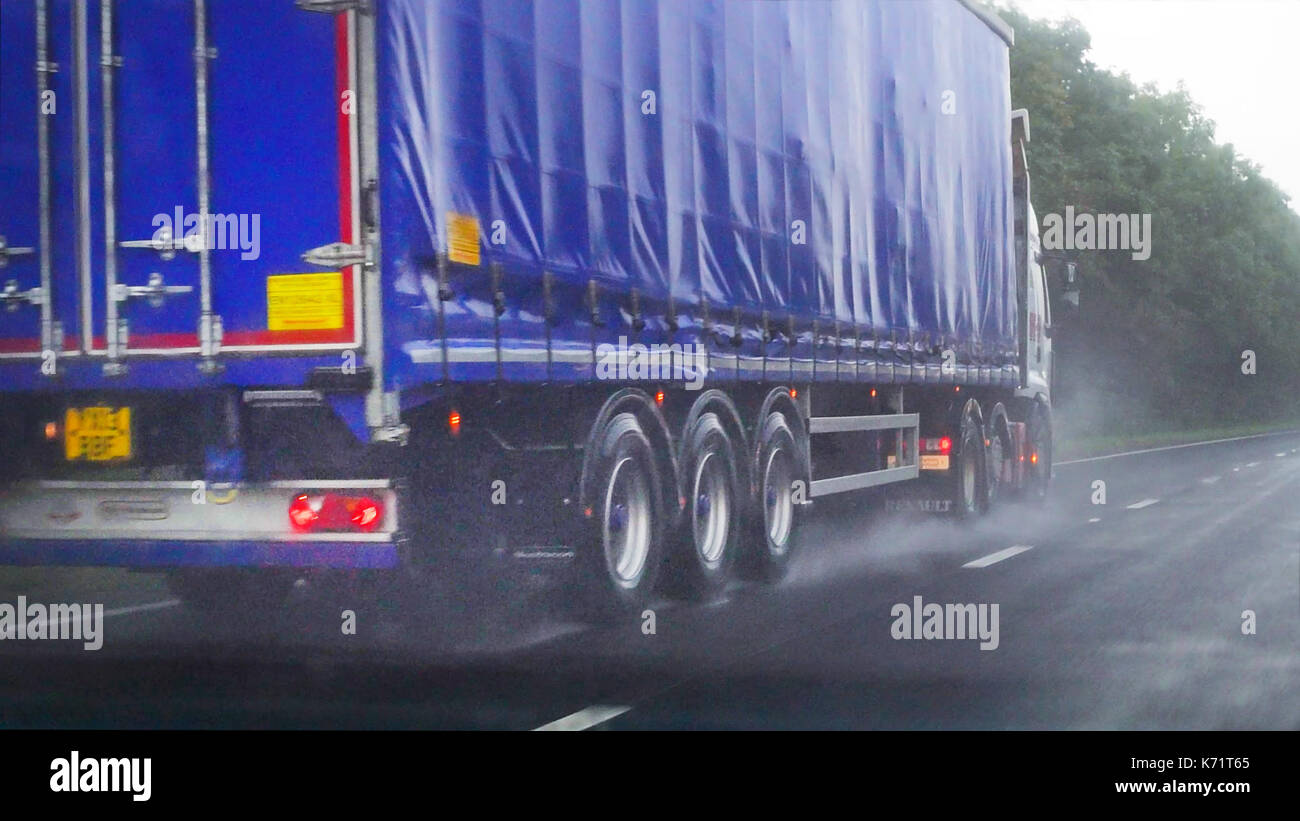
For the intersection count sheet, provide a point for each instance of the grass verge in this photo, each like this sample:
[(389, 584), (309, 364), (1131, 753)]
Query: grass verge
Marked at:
[(1081, 447)]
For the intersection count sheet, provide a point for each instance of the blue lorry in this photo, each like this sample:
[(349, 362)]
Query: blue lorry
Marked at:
[(622, 286)]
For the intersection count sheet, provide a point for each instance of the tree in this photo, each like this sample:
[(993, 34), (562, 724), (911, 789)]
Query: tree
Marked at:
[(1157, 343)]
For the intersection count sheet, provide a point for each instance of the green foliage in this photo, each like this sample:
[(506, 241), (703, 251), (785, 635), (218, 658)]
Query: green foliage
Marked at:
[(1158, 341)]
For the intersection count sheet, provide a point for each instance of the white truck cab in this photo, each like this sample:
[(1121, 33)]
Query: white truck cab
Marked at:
[(1035, 318)]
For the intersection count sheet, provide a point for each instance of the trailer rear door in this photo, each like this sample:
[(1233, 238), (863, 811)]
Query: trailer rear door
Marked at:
[(199, 148), (39, 289)]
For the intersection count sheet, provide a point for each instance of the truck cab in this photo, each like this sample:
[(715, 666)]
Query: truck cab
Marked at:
[(1037, 338), (1035, 318)]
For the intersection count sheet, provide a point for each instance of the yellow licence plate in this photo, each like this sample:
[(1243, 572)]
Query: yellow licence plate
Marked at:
[(97, 434), (934, 461)]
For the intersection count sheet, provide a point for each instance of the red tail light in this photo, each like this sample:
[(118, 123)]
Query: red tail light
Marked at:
[(366, 514), (942, 445), (333, 512), (453, 422), (301, 514)]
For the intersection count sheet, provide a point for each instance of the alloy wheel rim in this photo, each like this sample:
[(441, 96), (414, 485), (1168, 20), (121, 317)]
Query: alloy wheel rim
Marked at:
[(626, 527), (778, 502), (711, 522)]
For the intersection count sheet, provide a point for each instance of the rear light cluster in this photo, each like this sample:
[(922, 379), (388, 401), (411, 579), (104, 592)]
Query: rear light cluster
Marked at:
[(939, 445), (331, 511)]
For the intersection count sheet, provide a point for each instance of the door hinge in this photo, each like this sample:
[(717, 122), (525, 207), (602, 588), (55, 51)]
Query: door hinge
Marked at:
[(51, 344), (335, 6), (115, 335), (338, 255), (393, 430), (210, 332)]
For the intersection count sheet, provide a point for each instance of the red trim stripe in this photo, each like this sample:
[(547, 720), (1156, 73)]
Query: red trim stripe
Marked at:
[(343, 83)]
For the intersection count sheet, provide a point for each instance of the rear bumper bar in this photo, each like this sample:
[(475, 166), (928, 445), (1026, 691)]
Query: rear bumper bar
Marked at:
[(152, 554), (171, 524)]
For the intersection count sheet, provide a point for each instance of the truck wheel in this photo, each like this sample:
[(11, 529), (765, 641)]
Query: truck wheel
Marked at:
[(622, 561), (707, 546), (971, 493), (778, 468), (999, 446), (1038, 474), (234, 592)]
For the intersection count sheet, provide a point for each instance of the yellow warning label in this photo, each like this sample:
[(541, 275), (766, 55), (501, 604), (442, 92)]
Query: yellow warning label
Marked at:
[(304, 302), (462, 239)]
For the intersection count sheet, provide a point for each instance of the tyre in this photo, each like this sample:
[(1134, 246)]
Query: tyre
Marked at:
[(998, 441), (233, 592), (706, 546), (779, 466), (971, 493), (622, 558), (1038, 471)]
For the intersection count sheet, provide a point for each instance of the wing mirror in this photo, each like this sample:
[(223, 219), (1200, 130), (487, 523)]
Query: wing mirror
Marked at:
[(1068, 301), (1070, 295)]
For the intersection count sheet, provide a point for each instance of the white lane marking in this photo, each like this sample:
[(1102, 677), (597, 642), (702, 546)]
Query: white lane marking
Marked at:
[(1280, 455), (1142, 504), (1252, 464), (1236, 470), (994, 558), (140, 608), (584, 719), (121, 611), (1093, 520), (1174, 447), (1209, 480)]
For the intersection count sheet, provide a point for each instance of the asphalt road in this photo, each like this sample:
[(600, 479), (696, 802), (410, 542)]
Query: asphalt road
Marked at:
[(1123, 615)]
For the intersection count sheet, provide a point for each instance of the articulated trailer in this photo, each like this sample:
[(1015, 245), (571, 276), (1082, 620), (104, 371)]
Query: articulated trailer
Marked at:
[(394, 285)]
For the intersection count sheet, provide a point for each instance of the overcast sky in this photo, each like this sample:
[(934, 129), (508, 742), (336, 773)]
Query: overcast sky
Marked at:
[(1238, 59)]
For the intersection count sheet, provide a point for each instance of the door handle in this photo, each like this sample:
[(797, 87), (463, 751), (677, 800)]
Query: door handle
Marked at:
[(163, 242), (6, 251), (11, 296), (155, 293)]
